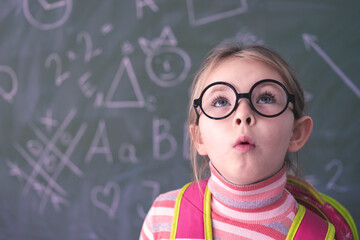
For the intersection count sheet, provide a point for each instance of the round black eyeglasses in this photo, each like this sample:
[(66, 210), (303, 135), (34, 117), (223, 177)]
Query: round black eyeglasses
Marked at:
[(268, 98)]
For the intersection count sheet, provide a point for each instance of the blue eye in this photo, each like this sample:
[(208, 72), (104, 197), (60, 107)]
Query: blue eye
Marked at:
[(266, 98), (220, 102)]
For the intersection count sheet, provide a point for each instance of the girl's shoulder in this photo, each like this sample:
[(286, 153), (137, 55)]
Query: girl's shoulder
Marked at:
[(165, 203), (168, 196), (160, 216)]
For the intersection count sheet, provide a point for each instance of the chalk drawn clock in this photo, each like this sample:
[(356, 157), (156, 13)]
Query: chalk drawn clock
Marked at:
[(45, 15)]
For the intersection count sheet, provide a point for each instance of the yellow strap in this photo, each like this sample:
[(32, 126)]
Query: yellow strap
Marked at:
[(330, 235), (320, 197), (207, 214), (176, 212), (294, 226), (292, 180), (296, 223), (347, 216)]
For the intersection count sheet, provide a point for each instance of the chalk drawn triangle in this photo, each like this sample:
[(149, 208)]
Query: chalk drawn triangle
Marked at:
[(240, 6), (124, 68)]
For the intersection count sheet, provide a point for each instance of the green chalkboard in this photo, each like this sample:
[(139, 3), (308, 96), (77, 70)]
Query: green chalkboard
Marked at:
[(94, 94)]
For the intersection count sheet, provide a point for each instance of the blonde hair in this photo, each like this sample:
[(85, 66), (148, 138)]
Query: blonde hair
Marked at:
[(200, 164)]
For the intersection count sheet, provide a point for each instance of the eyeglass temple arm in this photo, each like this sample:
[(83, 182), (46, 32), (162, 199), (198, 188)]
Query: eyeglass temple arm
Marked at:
[(196, 104), (292, 98)]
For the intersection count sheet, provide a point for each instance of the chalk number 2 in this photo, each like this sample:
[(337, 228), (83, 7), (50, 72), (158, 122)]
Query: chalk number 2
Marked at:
[(331, 185), (60, 76)]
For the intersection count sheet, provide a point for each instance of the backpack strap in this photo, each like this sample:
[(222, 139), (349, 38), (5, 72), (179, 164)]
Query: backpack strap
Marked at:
[(308, 224), (192, 217), (324, 206), (188, 220)]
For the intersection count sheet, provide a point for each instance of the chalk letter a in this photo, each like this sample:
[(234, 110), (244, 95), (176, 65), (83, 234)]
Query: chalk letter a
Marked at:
[(100, 135), (140, 4)]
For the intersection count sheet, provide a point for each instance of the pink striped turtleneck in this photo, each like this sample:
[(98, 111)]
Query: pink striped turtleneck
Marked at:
[(264, 210)]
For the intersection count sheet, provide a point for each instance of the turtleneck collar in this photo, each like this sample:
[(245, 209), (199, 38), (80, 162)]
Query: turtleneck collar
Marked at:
[(268, 197)]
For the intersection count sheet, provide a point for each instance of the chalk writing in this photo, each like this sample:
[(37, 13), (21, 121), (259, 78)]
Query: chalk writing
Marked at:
[(59, 75), (127, 153), (332, 185), (34, 147), (161, 135), (48, 121), (309, 41), (312, 179), (86, 87), (106, 198), (94, 171), (248, 38), (127, 48), (84, 37), (150, 103), (166, 64), (106, 28), (95, 148), (124, 68), (240, 7), (45, 10), (39, 188), (71, 55), (8, 95), (51, 162), (140, 4)]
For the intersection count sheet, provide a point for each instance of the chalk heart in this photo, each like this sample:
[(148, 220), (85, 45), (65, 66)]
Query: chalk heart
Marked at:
[(111, 192)]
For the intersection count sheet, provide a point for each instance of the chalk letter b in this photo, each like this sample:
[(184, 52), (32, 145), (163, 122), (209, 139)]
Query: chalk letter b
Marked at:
[(161, 135)]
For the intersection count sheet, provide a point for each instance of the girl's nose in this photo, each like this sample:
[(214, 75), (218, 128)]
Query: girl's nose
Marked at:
[(244, 113)]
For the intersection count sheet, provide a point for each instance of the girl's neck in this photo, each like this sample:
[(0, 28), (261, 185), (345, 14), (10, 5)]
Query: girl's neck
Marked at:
[(259, 207), (213, 170), (252, 196)]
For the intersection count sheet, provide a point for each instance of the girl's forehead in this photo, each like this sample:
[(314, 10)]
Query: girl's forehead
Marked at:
[(240, 72)]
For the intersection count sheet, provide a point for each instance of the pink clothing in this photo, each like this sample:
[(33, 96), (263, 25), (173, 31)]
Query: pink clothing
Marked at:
[(263, 210)]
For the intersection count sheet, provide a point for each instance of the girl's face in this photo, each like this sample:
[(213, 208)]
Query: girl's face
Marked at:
[(266, 139)]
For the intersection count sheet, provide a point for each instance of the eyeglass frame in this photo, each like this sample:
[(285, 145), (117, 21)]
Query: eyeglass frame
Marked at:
[(198, 102)]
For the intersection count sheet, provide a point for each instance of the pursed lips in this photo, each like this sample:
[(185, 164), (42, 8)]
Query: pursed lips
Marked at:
[(244, 144)]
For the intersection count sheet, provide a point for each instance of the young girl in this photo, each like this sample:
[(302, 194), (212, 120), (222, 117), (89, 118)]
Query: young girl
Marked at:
[(245, 115)]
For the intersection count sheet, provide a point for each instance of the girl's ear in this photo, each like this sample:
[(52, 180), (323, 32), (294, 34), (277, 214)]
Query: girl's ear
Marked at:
[(301, 132), (196, 138)]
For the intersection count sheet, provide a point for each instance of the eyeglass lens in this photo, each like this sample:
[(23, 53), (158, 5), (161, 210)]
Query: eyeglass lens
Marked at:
[(267, 98)]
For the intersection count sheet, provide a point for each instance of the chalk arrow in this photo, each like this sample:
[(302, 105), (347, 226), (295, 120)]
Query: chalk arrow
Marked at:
[(309, 41)]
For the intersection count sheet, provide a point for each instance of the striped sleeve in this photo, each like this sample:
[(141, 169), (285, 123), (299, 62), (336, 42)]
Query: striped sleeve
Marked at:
[(157, 224)]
